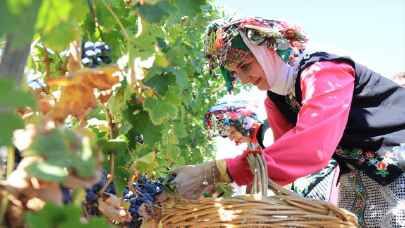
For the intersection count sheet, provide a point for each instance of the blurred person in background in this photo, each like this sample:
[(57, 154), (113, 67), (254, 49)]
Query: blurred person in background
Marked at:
[(238, 121)]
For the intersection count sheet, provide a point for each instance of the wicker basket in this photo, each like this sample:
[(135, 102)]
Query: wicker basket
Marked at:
[(284, 209)]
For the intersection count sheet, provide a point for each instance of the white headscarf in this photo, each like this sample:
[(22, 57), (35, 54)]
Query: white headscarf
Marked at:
[(280, 76)]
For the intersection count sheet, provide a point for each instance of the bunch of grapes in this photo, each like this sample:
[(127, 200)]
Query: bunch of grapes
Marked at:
[(95, 54), (93, 193), (143, 191), (66, 194)]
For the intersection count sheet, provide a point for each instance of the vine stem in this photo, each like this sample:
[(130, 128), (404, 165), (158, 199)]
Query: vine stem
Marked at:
[(94, 16), (124, 31), (112, 134)]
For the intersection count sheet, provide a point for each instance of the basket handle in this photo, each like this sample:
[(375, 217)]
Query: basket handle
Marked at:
[(261, 181)]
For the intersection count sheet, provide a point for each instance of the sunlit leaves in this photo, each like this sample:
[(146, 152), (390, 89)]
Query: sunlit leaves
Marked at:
[(155, 12), (9, 122), (160, 110), (142, 125), (18, 16), (20, 98), (58, 21), (63, 217), (146, 164), (75, 149), (11, 97)]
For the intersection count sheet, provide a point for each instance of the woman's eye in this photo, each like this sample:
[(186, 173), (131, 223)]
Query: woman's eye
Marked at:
[(245, 67)]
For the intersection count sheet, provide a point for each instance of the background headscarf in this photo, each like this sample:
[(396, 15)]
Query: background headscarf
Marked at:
[(238, 114), (275, 44)]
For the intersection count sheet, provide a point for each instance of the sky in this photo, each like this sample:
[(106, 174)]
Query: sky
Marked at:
[(372, 32)]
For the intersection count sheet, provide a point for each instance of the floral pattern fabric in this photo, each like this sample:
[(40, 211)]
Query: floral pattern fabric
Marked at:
[(379, 166)]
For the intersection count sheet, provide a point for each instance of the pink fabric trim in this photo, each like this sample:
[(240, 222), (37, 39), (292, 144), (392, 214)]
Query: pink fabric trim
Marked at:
[(327, 89)]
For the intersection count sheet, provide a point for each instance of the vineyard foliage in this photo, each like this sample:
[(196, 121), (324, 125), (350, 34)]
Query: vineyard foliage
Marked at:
[(140, 114)]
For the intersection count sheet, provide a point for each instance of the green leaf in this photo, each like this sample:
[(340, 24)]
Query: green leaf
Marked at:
[(155, 12), (62, 217), (118, 145), (180, 129), (63, 148), (159, 80), (58, 21), (84, 163), (60, 37), (50, 145), (118, 102), (9, 122), (104, 16), (174, 95), (52, 12), (48, 172), (159, 110), (182, 79), (142, 125), (20, 98), (189, 8), (18, 16), (146, 164)]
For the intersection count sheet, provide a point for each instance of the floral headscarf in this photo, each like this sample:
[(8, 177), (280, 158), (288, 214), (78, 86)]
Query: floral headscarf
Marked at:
[(238, 114), (225, 38)]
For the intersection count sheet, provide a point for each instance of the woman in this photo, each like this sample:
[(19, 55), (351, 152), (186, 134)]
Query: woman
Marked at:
[(238, 121), (319, 106)]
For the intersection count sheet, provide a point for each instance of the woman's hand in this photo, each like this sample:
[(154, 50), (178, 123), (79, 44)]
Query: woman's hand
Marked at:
[(192, 181)]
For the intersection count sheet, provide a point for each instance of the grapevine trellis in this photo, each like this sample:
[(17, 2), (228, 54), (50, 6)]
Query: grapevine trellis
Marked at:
[(97, 88)]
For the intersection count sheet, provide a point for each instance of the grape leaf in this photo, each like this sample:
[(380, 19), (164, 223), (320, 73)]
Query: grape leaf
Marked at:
[(63, 149), (77, 96), (146, 164), (155, 12), (189, 8), (159, 80), (118, 102), (9, 122), (182, 79), (61, 216), (18, 16), (142, 125), (159, 110), (20, 98), (47, 172), (180, 129)]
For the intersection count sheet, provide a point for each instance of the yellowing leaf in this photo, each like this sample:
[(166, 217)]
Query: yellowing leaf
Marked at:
[(77, 95), (76, 100)]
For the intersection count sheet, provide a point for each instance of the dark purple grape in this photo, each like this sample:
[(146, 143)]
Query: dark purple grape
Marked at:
[(90, 53), (106, 59), (88, 45), (95, 54), (91, 196), (66, 194)]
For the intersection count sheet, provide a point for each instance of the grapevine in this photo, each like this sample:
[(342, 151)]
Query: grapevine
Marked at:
[(108, 96)]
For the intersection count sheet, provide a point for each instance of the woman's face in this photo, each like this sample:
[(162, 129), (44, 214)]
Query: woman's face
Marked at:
[(249, 71), (236, 136)]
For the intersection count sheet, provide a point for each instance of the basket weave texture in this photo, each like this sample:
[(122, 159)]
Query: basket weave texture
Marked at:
[(283, 209)]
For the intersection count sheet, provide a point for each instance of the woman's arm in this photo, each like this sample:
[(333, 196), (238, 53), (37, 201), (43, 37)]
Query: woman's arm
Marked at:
[(327, 90), (277, 122)]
